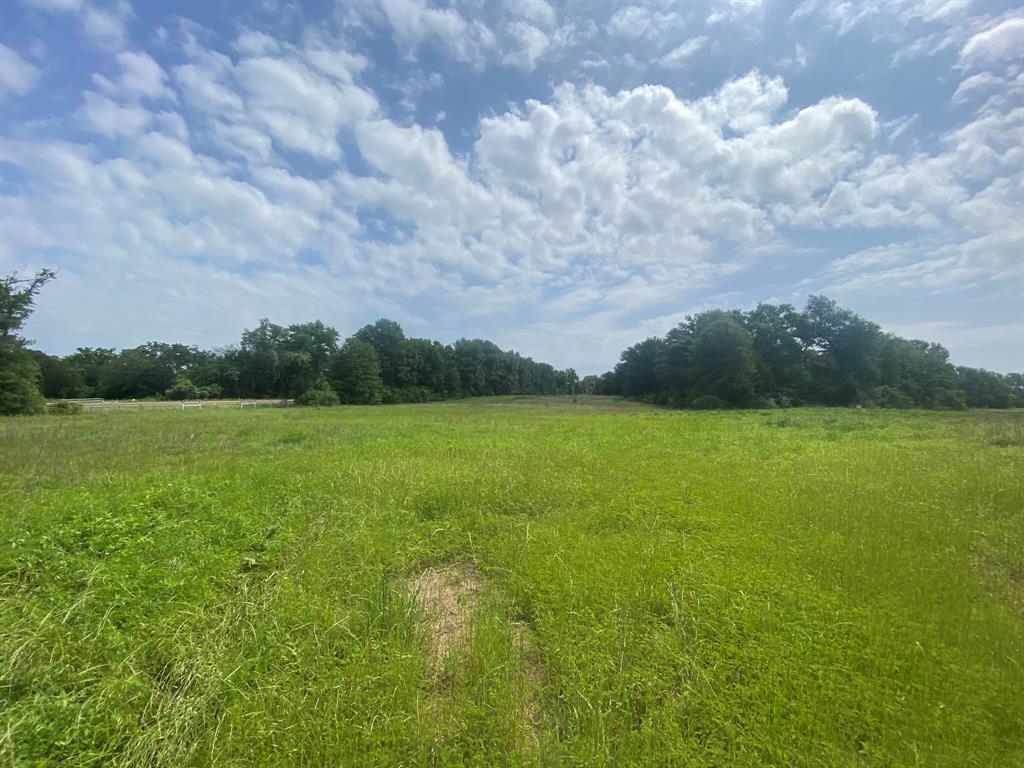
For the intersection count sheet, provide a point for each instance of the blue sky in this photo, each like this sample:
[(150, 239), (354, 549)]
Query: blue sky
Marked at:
[(562, 178)]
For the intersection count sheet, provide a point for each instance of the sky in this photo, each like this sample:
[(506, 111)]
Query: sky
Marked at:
[(564, 179)]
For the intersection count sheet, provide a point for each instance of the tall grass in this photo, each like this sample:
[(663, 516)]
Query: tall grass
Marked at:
[(810, 587)]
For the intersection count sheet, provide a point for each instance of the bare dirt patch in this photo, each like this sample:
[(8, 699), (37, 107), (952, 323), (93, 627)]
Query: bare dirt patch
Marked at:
[(448, 595)]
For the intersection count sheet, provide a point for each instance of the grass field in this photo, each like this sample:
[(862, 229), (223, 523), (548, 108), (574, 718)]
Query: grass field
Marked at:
[(512, 582)]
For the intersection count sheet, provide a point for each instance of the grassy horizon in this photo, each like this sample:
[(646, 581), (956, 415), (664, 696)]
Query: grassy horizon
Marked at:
[(225, 587)]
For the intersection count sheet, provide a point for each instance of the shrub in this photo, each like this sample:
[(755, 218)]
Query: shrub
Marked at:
[(708, 403), (209, 392), (890, 397), (19, 395), (949, 400), (182, 389), (318, 395), (64, 408)]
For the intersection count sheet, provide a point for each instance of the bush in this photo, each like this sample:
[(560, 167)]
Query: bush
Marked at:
[(318, 395), (209, 392), (19, 395), (182, 389), (708, 403), (949, 400), (64, 408), (890, 397)]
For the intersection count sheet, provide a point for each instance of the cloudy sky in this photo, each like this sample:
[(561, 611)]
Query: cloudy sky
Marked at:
[(562, 178)]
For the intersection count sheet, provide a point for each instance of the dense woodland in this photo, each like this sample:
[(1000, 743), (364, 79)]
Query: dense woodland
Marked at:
[(776, 355), (770, 356)]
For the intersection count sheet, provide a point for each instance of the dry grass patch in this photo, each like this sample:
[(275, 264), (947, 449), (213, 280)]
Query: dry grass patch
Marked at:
[(448, 595)]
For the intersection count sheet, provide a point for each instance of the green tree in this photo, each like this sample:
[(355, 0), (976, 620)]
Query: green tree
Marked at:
[(260, 359), (355, 371), (722, 362), (388, 339), (636, 372), (19, 371), (781, 362), (60, 377), (984, 389), (844, 349)]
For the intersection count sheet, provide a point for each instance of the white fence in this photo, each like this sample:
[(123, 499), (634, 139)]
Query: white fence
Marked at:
[(97, 404)]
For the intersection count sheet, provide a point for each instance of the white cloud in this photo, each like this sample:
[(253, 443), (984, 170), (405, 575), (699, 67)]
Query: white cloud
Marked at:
[(537, 11), (55, 6), (899, 126), (254, 43), (107, 117), (975, 84), (626, 192), (748, 102), (106, 26), (531, 43), (1000, 42), (140, 76), (17, 76), (301, 109), (590, 206), (680, 55), (736, 10), (797, 61), (103, 25), (635, 22), (414, 23)]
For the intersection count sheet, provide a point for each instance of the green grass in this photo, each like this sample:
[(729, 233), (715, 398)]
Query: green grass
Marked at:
[(805, 587)]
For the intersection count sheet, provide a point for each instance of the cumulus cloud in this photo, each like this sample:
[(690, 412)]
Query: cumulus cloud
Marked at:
[(17, 76), (531, 43), (596, 206), (414, 22), (748, 102), (635, 22)]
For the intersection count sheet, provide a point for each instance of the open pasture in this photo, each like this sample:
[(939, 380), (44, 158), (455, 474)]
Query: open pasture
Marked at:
[(512, 582)]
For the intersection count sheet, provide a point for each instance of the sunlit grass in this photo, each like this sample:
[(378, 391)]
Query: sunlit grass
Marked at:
[(805, 587)]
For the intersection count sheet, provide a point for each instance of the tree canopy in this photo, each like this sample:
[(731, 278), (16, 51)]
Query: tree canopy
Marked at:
[(19, 371), (377, 364), (779, 355)]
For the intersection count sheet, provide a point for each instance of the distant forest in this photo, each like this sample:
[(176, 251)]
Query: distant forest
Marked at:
[(377, 364), (772, 356), (776, 355)]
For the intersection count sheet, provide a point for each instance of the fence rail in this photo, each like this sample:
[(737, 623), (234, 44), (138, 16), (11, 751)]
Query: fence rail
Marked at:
[(96, 404)]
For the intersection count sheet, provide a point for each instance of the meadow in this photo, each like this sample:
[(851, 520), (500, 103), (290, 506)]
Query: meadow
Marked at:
[(512, 581)]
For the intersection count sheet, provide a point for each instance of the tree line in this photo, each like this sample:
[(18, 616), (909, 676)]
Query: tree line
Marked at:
[(305, 361), (774, 355), (777, 355)]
